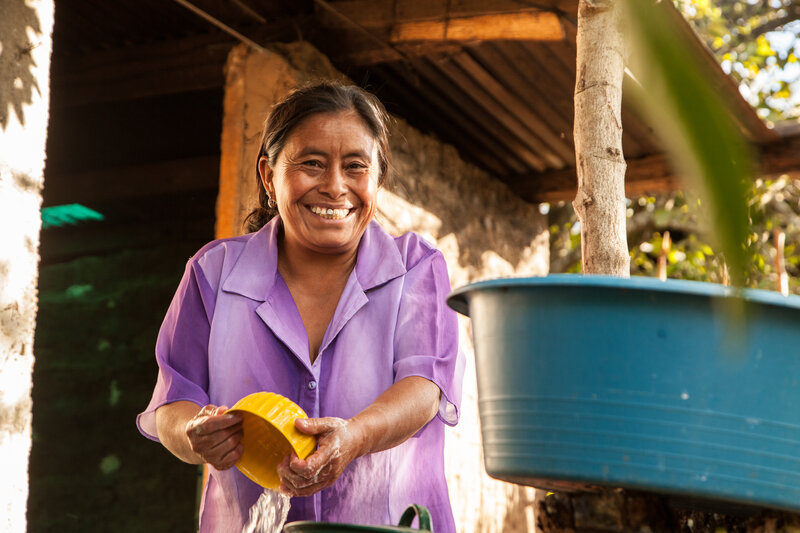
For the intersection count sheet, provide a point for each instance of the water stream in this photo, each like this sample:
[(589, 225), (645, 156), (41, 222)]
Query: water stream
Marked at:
[(269, 513)]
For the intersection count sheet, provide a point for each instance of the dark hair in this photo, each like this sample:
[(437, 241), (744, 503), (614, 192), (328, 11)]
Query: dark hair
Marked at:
[(324, 97)]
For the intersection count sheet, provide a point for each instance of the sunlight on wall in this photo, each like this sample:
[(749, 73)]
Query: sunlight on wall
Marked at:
[(398, 216), (24, 77)]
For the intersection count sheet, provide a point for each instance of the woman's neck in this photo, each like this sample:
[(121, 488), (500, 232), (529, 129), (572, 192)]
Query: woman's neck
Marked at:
[(316, 282), (306, 266)]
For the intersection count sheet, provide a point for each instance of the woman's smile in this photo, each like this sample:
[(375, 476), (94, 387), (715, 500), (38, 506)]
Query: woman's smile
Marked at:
[(330, 213)]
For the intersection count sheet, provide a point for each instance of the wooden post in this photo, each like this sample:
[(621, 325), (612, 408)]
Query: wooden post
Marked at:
[(666, 244), (233, 156), (600, 201), (782, 278)]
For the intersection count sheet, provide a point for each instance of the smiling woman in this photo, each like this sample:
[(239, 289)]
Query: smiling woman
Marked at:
[(311, 101), (324, 183), (320, 305)]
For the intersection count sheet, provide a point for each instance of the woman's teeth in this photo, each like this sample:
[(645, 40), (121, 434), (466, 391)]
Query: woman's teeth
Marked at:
[(332, 214)]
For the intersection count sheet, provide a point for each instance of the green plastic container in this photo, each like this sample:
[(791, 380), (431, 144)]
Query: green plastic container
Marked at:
[(413, 511)]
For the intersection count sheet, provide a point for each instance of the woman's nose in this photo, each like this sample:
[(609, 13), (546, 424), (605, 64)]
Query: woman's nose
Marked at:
[(334, 183)]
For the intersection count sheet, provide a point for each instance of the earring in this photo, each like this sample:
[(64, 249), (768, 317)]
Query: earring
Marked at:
[(270, 202)]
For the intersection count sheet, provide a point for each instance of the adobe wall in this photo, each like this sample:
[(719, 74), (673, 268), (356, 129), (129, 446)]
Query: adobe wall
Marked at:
[(482, 228)]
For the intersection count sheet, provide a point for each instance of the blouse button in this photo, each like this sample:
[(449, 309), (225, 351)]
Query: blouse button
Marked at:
[(312, 385)]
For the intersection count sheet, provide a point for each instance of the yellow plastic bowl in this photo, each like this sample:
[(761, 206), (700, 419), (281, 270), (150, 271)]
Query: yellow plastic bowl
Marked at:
[(269, 436)]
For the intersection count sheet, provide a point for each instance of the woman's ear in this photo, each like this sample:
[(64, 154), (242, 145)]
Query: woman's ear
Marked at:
[(265, 173)]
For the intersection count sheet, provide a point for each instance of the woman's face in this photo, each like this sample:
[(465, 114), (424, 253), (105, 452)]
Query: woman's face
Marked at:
[(325, 182)]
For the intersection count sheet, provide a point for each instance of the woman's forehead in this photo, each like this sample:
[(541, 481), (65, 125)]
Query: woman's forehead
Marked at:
[(323, 132)]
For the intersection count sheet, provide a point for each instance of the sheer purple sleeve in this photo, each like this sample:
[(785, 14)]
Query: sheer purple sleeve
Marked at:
[(426, 339), (182, 348)]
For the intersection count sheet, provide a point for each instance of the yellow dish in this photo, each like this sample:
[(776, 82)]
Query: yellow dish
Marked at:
[(269, 436)]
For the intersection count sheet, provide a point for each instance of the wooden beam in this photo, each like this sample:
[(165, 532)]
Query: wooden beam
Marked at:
[(555, 149), (387, 13), (648, 174), (466, 135), (790, 128), (359, 32), (525, 26), (181, 176), (346, 49), (540, 60), (525, 143), (503, 146), (477, 7), (403, 21), (522, 82), (782, 156)]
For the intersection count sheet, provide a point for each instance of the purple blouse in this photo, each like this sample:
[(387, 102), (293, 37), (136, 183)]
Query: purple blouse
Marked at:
[(233, 329)]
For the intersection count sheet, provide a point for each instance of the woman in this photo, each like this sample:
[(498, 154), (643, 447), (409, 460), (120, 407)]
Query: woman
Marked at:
[(320, 305)]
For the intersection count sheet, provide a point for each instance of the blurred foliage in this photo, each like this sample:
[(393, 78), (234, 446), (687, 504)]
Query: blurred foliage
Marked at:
[(704, 144), (773, 203), (756, 41)]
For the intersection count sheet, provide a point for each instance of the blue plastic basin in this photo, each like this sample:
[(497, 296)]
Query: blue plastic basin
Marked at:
[(638, 383)]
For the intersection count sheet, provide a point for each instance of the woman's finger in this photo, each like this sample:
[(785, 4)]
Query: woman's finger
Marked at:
[(289, 478), (307, 490), (207, 410), (227, 442), (204, 441), (208, 424), (312, 464), (318, 426), (225, 454), (215, 436), (292, 477), (230, 459), (300, 484)]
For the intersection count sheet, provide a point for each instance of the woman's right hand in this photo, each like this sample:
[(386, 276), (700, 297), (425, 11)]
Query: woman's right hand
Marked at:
[(216, 437)]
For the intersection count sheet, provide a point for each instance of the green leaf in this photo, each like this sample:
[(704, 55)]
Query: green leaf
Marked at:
[(704, 143)]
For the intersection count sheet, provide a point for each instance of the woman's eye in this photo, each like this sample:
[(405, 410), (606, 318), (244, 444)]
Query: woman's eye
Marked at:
[(312, 163), (356, 166)]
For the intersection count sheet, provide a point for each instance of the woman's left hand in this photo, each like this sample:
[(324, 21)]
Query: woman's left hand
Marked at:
[(338, 443), (398, 413)]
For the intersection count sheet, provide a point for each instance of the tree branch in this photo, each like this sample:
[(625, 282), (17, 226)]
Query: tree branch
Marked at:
[(771, 25), (793, 14)]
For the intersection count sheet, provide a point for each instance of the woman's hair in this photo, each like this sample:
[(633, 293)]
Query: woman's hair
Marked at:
[(324, 97)]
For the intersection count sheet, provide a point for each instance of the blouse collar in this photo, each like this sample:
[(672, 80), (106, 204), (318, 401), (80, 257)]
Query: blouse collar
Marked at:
[(256, 268)]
